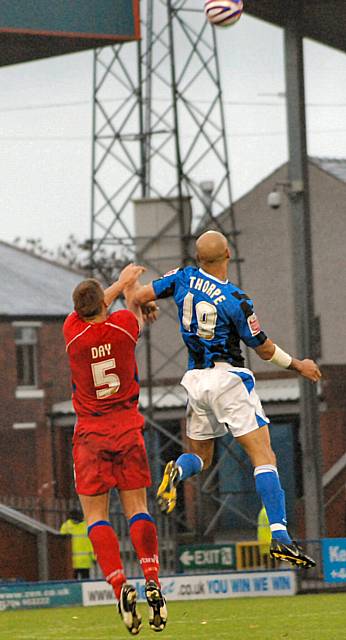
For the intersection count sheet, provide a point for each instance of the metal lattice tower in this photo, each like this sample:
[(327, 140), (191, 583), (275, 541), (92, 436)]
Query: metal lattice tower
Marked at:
[(160, 140)]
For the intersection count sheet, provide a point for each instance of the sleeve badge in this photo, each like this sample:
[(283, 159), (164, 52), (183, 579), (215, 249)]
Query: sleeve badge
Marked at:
[(171, 272), (254, 325)]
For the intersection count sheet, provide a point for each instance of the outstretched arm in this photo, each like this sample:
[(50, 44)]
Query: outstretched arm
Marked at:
[(272, 353), (144, 293), (142, 297)]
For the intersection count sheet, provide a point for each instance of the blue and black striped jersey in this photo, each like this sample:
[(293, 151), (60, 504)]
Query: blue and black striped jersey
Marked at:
[(214, 316)]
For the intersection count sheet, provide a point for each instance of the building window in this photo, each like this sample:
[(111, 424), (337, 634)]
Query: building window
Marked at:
[(26, 356)]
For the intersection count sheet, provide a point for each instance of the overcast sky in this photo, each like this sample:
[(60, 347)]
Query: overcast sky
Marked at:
[(45, 126)]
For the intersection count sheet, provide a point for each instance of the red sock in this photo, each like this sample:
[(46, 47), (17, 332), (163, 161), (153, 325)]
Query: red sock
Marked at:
[(144, 539), (107, 551)]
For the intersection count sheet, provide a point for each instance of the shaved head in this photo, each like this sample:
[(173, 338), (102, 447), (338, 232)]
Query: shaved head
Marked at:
[(212, 247)]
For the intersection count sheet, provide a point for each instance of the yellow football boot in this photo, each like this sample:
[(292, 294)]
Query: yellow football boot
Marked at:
[(166, 496), (291, 553)]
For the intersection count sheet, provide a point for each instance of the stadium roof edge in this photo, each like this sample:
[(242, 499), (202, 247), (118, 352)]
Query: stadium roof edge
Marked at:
[(27, 35), (319, 21)]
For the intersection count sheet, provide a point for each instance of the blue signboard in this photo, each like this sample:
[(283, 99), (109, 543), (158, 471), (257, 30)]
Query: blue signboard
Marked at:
[(30, 595), (97, 18), (334, 559)]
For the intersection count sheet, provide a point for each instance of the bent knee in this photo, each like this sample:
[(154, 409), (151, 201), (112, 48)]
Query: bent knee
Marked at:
[(207, 460), (204, 449), (263, 457), (206, 456)]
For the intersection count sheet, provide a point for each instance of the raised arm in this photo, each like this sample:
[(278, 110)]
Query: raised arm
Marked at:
[(127, 277), (273, 353)]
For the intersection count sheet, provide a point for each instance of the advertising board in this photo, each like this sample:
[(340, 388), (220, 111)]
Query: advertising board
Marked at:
[(203, 587)]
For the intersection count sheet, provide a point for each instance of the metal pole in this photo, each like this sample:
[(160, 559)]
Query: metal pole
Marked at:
[(42, 556), (232, 239), (171, 14), (145, 108), (93, 176), (303, 278), (54, 460), (148, 98)]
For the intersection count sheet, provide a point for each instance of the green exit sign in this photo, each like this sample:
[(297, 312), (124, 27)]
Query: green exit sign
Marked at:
[(207, 557)]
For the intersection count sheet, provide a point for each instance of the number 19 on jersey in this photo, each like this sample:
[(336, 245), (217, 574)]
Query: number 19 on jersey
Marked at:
[(206, 315)]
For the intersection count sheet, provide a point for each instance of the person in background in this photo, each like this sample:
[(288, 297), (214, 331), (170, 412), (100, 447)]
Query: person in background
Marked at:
[(264, 537), (82, 550)]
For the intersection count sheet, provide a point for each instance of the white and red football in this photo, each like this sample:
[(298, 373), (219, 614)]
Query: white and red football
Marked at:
[(223, 13)]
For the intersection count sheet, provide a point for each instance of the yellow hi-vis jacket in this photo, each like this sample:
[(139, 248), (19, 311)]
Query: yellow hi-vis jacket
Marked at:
[(264, 534), (82, 550)]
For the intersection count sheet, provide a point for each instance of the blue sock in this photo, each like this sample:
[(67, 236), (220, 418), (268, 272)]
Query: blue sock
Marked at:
[(272, 495), (189, 465)]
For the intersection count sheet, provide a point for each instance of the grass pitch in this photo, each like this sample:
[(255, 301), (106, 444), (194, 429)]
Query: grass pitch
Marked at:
[(312, 617)]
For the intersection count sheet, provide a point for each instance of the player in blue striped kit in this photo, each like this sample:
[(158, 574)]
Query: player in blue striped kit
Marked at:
[(215, 316)]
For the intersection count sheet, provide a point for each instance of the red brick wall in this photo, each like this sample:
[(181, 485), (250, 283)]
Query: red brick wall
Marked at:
[(333, 441), (26, 456), (18, 467), (54, 371), (19, 558), (60, 557), (334, 386), (335, 506), (8, 374), (334, 497), (63, 463), (18, 553), (333, 435)]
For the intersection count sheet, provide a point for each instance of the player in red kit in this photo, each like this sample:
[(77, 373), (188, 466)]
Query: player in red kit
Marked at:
[(108, 444)]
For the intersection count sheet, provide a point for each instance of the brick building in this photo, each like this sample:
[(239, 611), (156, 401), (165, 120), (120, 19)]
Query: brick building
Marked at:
[(35, 297)]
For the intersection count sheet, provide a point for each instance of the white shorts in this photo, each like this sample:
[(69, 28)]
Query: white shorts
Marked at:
[(222, 400)]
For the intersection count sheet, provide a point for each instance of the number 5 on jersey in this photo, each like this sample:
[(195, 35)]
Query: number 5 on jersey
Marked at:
[(206, 315), (102, 378)]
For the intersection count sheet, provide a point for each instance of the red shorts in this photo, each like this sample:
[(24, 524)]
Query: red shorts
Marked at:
[(103, 463)]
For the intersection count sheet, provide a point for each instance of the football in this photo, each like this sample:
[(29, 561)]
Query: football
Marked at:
[(223, 13)]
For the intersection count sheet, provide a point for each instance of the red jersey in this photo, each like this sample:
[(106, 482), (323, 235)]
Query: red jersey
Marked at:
[(104, 371)]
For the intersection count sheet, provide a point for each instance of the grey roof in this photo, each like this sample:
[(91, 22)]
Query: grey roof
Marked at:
[(335, 166), (32, 286)]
